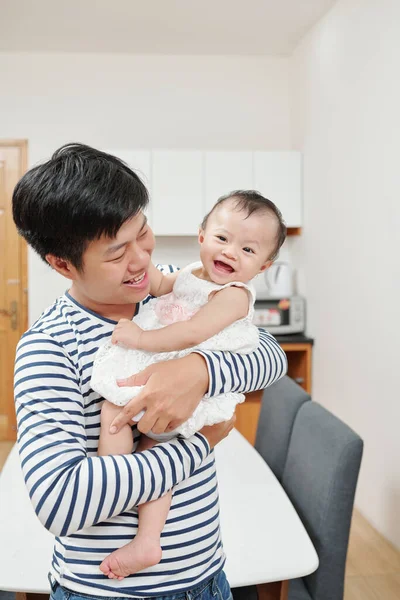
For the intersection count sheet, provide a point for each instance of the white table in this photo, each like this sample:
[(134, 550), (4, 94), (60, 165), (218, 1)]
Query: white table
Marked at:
[(263, 537)]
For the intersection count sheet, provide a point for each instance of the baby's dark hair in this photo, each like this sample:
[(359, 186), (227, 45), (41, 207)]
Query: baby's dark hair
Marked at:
[(75, 197), (251, 202)]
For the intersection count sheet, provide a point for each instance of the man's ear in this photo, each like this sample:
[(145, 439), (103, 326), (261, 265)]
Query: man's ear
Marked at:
[(201, 236), (62, 266), (266, 265)]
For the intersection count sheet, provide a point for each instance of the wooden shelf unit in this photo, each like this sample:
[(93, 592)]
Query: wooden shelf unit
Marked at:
[(299, 357)]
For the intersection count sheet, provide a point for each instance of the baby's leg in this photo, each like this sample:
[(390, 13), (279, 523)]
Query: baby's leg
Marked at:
[(117, 443), (145, 549)]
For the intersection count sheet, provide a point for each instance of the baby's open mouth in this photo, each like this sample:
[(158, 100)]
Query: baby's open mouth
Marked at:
[(221, 266)]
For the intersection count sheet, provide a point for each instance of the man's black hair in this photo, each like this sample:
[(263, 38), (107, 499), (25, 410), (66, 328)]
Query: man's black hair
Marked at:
[(251, 202), (75, 197)]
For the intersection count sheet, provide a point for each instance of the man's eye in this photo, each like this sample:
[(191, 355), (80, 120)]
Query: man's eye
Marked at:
[(222, 238), (144, 233), (117, 258), (248, 250)]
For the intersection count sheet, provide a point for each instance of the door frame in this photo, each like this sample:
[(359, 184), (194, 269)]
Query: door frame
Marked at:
[(22, 145)]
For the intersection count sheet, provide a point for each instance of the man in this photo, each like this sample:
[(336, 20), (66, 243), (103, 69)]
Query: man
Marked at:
[(82, 211)]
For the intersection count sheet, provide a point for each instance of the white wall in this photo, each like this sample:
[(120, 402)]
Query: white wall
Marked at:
[(346, 120), (122, 101)]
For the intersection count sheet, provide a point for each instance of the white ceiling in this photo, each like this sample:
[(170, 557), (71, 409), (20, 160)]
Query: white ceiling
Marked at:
[(245, 27)]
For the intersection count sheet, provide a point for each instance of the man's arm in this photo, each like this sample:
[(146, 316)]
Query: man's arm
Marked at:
[(230, 372), (70, 490), (173, 389)]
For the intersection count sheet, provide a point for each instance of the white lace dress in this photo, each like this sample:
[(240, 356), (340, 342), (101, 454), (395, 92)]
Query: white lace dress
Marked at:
[(189, 294)]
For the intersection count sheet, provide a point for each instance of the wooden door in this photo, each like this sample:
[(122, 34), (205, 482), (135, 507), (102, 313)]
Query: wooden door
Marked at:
[(13, 281)]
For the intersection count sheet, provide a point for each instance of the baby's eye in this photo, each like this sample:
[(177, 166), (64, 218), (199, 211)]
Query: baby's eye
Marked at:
[(249, 250), (222, 238)]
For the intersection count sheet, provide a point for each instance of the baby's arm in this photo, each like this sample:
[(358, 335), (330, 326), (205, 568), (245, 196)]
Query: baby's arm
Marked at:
[(161, 284), (223, 309)]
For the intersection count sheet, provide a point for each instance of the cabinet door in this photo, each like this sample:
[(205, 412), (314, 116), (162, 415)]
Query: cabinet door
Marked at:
[(225, 172), (140, 162), (277, 176), (178, 205)]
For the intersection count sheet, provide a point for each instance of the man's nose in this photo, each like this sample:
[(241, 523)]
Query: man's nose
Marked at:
[(138, 259)]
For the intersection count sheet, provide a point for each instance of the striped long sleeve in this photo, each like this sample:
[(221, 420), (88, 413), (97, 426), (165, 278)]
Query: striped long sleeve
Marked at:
[(229, 372), (69, 489)]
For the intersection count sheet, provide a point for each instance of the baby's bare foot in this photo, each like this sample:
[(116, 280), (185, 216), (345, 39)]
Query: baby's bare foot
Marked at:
[(139, 554)]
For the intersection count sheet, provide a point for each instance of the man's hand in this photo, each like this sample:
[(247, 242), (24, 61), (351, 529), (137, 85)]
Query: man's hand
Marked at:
[(128, 333), (216, 433), (172, 391)]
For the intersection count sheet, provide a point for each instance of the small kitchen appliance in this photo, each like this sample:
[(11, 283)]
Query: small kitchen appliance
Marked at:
[(276, 282), (277, 308), (281, 316)]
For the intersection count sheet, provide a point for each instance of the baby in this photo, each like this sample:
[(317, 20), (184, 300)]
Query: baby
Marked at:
[(205, 305)]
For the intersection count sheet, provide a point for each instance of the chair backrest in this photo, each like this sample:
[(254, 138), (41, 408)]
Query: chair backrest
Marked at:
[(280, 404), (320, 478)]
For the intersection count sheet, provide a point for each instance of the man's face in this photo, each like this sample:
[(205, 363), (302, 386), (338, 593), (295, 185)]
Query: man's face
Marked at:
[(115, 270)]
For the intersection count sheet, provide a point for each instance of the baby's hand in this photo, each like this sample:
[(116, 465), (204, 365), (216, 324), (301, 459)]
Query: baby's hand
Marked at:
[(127, 333)]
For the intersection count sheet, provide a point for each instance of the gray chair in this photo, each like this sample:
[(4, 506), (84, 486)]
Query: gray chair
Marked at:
[(7, 595), (280, 404), (320, 478)]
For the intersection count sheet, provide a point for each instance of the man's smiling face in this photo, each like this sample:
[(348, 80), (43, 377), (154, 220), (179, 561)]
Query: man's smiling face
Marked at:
[(115, 270)]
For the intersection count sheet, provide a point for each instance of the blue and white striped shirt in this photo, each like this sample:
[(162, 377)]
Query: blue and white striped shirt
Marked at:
[(89, 502)]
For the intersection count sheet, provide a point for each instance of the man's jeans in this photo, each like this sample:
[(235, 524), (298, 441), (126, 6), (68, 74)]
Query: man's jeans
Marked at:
[(216, 588)]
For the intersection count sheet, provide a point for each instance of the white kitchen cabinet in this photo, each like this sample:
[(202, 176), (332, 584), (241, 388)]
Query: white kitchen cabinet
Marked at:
[(185, 184), (140, 162), (277, 176), (225, 172), (177, 191)]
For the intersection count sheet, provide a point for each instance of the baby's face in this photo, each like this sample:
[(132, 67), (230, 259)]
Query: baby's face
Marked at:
[(235, 247)]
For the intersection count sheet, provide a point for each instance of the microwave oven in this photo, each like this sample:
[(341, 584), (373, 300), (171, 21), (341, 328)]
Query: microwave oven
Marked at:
[(281, 316)]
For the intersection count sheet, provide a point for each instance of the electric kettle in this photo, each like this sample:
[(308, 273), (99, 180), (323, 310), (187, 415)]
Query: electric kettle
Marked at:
[(275, 283)]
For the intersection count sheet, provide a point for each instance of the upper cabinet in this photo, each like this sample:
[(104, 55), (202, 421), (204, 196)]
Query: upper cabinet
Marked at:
[(185, 184), (226, 172), (277, 176), (177, 192)]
